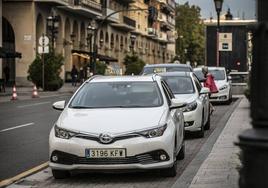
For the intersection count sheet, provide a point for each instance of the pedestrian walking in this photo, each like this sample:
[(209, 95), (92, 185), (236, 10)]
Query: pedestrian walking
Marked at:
[(74, 75), (7, 73), (81, 75), (210, 83)]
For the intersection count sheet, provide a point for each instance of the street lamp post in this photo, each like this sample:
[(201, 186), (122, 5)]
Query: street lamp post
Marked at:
[(218, 7), (254, 142), (95, 47), (132, 44), (52, 26), (90, 32)]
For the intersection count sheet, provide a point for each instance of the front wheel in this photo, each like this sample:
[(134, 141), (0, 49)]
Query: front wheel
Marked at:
[(60, 174), (201, 133), (207, 125), (181, 154), (170, 172)]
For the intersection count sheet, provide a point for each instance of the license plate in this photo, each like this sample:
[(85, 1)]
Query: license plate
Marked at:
[(106, 153)]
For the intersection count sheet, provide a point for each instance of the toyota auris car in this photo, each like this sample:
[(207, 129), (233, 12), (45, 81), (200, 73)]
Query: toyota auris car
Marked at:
[(186, 87), (222, 82), (116, 123)]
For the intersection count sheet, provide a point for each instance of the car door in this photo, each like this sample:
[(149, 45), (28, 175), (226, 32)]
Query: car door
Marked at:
[(204, 98), (176, 115)]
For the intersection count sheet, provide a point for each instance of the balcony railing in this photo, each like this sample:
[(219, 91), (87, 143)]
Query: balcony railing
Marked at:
[(88, 3), (152, 31), (162, 17), (171, 20), (114, 17), (128, 21)]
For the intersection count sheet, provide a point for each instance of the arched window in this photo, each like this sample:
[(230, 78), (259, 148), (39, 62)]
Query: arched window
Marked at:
[(112, 41), (106, 37)]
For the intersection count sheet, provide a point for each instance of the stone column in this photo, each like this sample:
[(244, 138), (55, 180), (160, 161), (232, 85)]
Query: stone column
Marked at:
[(1, 66), (254, 142)]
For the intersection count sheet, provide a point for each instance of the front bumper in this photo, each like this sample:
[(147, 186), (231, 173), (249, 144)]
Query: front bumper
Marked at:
[(138, 153), (193, 120), (221, 96)]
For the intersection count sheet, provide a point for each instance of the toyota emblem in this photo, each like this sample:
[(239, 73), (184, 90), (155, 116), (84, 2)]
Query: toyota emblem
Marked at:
[(105, 138)]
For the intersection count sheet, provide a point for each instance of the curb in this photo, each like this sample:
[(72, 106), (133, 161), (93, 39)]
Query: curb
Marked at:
[(34, 170)]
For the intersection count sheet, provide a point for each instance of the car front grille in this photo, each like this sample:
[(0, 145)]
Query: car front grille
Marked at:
[(146, 158)]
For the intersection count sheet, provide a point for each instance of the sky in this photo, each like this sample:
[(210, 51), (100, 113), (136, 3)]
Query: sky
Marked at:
[(239, 8)]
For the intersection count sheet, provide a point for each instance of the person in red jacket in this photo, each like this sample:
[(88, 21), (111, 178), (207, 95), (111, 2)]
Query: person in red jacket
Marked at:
[(210, 83)]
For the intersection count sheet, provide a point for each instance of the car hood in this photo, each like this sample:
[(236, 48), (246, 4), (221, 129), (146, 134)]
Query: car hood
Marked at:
[(220, 83), (188, 98), (110, 120)]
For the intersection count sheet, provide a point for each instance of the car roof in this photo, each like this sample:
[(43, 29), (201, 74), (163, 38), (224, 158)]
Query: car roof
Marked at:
[(146, 78), (168, 65), (187, 74)]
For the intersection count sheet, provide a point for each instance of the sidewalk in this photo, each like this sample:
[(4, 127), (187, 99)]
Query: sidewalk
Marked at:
[(220, 169), (25, 93)]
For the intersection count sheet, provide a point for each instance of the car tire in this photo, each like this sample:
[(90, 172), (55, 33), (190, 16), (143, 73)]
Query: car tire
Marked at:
[(207, 125), (60, 174), (170, 172), (181, 154), (201, 133)]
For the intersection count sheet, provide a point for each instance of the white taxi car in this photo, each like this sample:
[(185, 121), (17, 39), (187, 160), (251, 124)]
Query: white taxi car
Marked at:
[(186, 87), (222, 82), (127, 122)]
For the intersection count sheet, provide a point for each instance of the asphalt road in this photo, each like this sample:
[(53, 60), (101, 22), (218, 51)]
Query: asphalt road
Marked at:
[(24, 129), (26, 147)]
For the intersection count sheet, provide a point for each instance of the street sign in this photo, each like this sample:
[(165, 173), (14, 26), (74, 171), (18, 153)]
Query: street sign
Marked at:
[(225, 41), (43, 41), (43, 49)]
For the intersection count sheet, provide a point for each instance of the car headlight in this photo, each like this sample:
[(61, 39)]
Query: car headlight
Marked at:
[(63, 133), (152, 133), (223, 87), (190, 107)]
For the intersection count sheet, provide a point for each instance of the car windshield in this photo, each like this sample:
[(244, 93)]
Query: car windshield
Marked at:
[(199, 74), (218, 74), (117, 95), (180, 84), (151, 70)]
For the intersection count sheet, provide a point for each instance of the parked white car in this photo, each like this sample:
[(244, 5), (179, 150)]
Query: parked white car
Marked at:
[(186, 87), (127, 122), (222, 82)]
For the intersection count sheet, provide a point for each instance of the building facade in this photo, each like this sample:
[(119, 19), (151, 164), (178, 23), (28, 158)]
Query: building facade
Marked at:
[(234, 44), (152, 25)]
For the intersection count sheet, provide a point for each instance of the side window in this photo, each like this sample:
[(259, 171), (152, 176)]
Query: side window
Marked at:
[(198, 85), (166, 93), (170, 93)]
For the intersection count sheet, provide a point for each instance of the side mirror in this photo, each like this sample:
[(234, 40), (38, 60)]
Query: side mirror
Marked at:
[(177, 103), (59, 105), (229, 78), (204, 90)]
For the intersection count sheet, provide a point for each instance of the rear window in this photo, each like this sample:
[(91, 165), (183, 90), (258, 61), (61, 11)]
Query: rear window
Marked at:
[(151, 70)]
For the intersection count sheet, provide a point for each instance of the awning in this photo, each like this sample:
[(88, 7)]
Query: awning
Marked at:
[(4, 53), (99, 56)]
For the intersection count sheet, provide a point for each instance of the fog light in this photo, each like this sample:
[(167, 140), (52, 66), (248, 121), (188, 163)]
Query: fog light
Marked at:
[(223, 97), (54, 158), (163, 157)]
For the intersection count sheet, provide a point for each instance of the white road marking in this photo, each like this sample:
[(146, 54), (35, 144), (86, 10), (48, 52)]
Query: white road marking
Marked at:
[(19, 126), (34, 104)]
